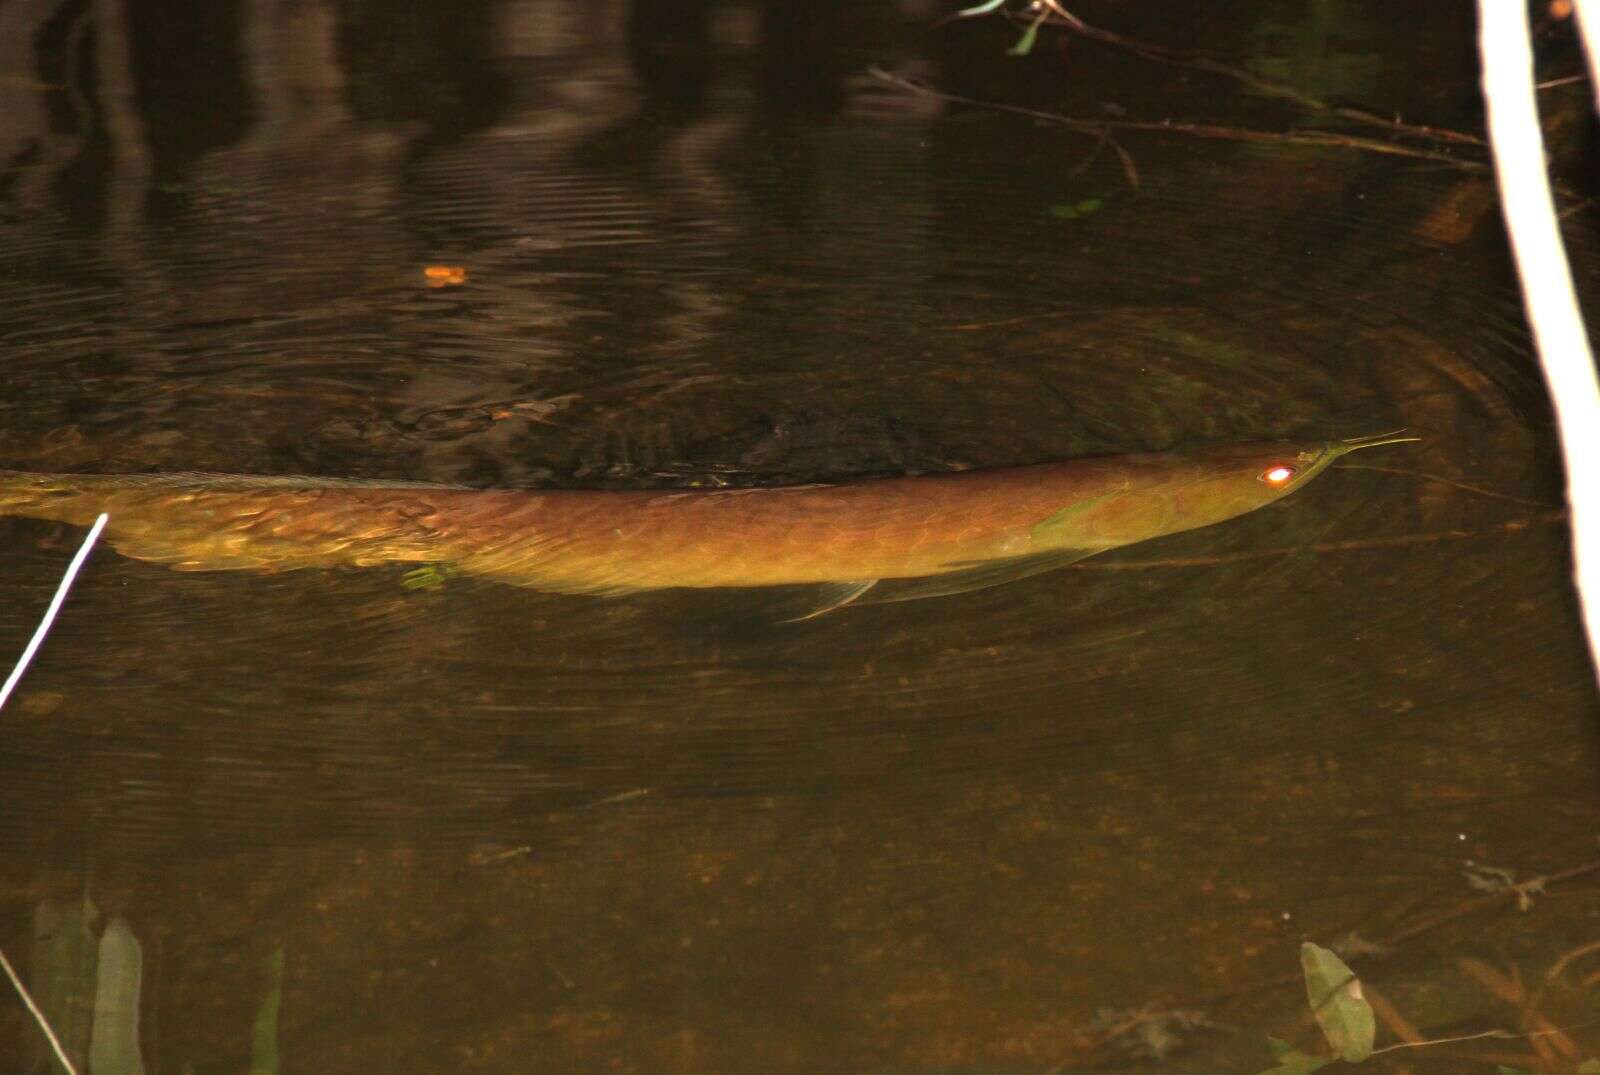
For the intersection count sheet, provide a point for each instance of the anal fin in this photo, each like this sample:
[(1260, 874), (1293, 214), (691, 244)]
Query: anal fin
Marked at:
[(835, 595), (979, 576)]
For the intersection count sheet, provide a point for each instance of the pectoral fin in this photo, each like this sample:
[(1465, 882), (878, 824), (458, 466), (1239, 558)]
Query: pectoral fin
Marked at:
[(980, 576), (835, 595)]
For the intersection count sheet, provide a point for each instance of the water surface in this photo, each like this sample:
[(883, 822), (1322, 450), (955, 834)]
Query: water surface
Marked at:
[(355, 826)]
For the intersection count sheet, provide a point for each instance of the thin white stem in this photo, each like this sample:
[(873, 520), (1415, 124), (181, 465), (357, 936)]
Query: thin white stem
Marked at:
[(1547, 288), (44, 1024), (1589, 29), (50, 613)]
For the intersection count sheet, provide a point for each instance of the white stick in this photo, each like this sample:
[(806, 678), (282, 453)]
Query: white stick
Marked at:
[(1547, 289), (1589, 28), (44, 1025), (50, 613)]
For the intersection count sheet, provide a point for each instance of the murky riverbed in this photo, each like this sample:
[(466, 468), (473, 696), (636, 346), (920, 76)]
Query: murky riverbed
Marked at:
[(355, 820)]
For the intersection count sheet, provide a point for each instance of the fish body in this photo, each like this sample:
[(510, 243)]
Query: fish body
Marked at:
[(946, 528)]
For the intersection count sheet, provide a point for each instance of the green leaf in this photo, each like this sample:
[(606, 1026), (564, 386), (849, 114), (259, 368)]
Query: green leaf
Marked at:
[(1335, 995), (63, 975), (981, 9), (1503, 1070), (1589, 1067), (427, 577), (264, 1035), (1076, 209), (1024, 45), (114, 1043), (1292, 1061)]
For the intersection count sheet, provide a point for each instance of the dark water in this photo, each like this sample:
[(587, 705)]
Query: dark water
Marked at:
[(352, 826)]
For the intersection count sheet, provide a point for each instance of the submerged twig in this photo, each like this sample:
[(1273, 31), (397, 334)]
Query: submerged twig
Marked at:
[(1200, 62), (1101, 128), (38, 1016), (1476, 490), (1566, 960), (1050, 11), (1416, 929), (1511, 991), (1552, 83), (1474, 905), (1397, 1023), (50, 613)]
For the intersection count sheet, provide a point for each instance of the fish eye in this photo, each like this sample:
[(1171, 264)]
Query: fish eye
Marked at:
[(1278, 475)]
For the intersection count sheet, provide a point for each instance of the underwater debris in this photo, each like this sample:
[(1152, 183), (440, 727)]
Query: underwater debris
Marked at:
[(1494, 879), (1149, 1031)]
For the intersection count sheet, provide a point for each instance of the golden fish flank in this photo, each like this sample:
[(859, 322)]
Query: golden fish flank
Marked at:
[(930, 535)]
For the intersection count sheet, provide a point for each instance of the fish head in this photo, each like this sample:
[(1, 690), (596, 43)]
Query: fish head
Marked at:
[(1238, 478), (1167, 492)]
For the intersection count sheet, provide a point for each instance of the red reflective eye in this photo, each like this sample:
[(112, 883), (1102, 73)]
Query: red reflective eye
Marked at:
[(1278, 475)]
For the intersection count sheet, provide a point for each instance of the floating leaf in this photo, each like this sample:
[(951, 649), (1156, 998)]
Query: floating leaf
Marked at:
[(444, 275), (1336, 1000)]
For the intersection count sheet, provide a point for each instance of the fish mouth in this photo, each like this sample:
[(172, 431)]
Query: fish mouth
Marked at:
[(1355, 444)]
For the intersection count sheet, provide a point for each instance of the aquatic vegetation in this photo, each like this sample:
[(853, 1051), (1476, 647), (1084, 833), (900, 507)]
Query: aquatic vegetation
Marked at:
[(61, 967), (89, 995), (1076, 210), (88, 990), (114, 1041), (1335, 996), (264, 1034), (426, 577), (1348, 1018)]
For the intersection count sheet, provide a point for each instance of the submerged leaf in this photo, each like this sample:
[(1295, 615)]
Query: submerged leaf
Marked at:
[(114, 1042), (1590, 1067), (1025, 44), (1292, 1061), (1076, 209), (62, 969), (427, 577), (1335, 995), (264, 1034), (981, 9), (1298, 1063)]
